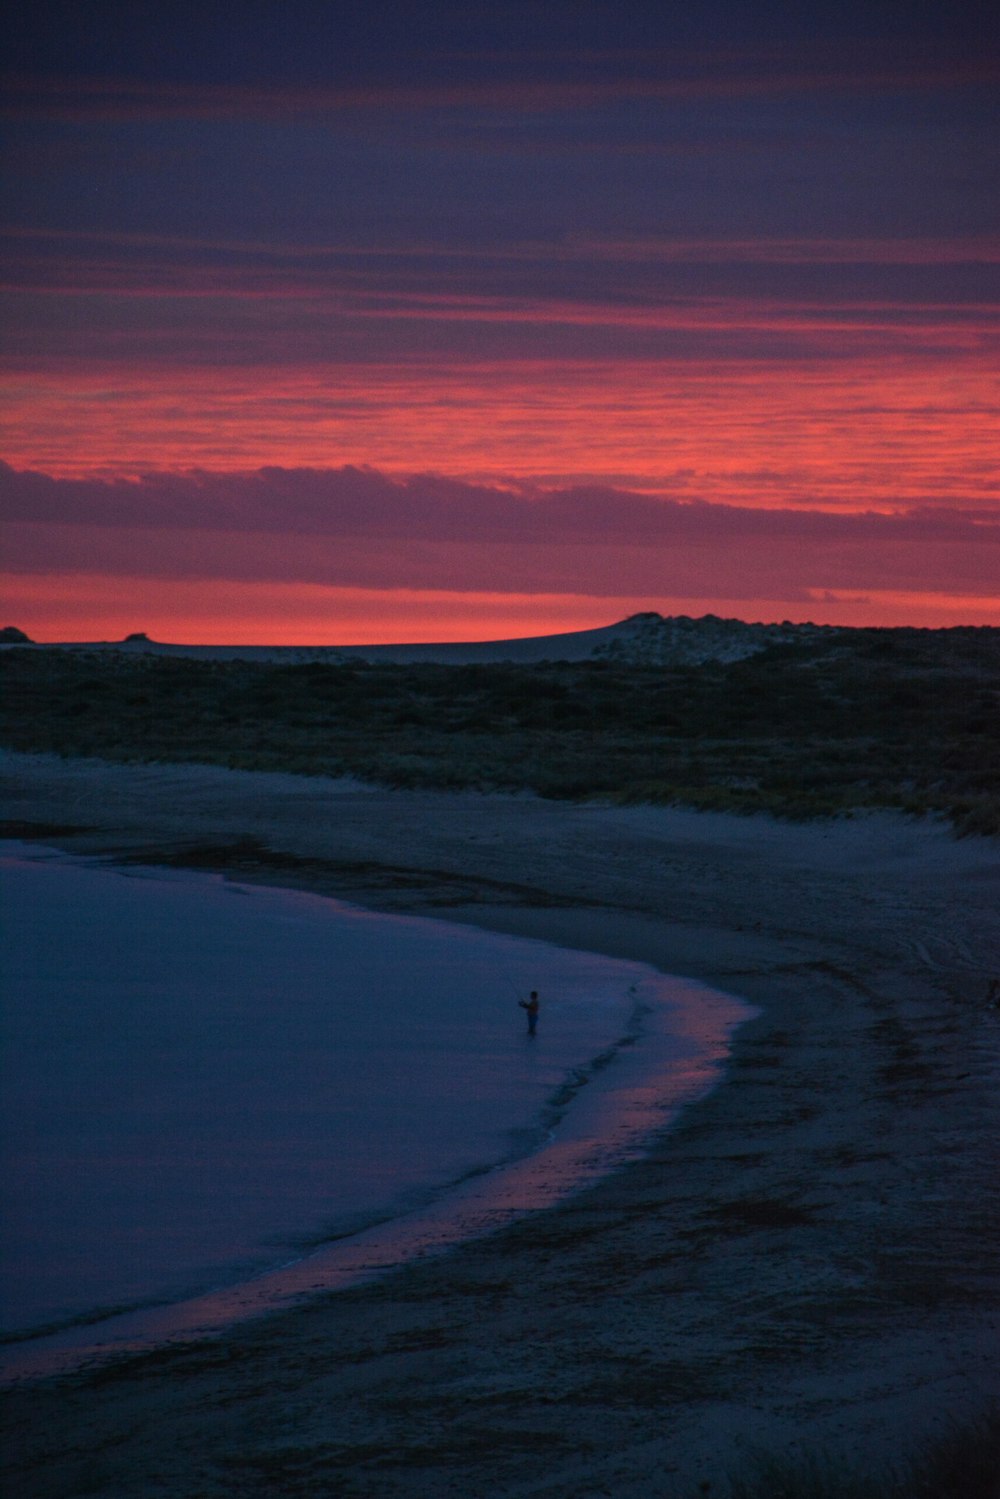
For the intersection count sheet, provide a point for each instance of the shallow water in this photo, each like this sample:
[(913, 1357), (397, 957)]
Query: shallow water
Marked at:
[(205, 1081)]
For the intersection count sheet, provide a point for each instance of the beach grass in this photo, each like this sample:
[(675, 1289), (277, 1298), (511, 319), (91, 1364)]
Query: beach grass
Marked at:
[(902, 719)]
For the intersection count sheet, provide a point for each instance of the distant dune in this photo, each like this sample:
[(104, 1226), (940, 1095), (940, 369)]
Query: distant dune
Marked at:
[(642, 639)]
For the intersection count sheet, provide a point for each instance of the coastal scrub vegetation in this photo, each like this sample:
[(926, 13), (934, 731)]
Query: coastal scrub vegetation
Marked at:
[(906, 719)]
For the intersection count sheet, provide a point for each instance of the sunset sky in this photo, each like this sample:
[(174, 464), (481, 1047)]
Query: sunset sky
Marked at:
[(337, 323)]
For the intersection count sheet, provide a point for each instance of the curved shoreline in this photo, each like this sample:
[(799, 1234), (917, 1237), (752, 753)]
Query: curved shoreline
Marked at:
[(577, 1138), (802, 1262)]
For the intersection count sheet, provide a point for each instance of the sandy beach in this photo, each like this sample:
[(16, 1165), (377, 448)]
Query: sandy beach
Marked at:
[(806, 1263)]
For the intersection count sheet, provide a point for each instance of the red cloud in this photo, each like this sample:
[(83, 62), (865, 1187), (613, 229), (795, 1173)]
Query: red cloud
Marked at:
[(353, 527)]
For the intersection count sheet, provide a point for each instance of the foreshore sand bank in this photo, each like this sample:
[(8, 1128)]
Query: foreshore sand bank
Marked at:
[(805, 1263)]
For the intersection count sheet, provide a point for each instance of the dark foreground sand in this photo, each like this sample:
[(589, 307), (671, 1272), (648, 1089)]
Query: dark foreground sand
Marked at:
[(806, 1262)]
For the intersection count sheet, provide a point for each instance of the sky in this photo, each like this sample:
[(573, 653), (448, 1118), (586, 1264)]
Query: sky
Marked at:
[(329, 323)]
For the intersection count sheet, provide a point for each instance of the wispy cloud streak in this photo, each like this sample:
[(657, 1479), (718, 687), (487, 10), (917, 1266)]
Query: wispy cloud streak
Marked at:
[(365, 502), (878, 433), (361, 528), (499, 83)]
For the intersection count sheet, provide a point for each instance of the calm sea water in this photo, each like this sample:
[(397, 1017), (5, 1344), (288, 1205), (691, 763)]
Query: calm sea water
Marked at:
[(203, 1080)]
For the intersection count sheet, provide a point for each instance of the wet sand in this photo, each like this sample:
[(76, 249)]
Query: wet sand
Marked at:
[(806, 1262)]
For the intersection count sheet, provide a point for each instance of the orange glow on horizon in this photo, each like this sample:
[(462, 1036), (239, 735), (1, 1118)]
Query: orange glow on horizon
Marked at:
[(67, 608)]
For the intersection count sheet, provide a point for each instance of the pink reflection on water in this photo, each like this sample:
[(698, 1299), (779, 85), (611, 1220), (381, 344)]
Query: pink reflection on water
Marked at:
[(640, 1093)]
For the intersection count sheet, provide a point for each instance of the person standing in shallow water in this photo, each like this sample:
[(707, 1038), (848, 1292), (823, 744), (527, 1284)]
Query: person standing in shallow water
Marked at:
[(532, 1006)]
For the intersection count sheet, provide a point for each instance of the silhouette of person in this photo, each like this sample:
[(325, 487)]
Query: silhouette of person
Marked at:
[(532, 1006)]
